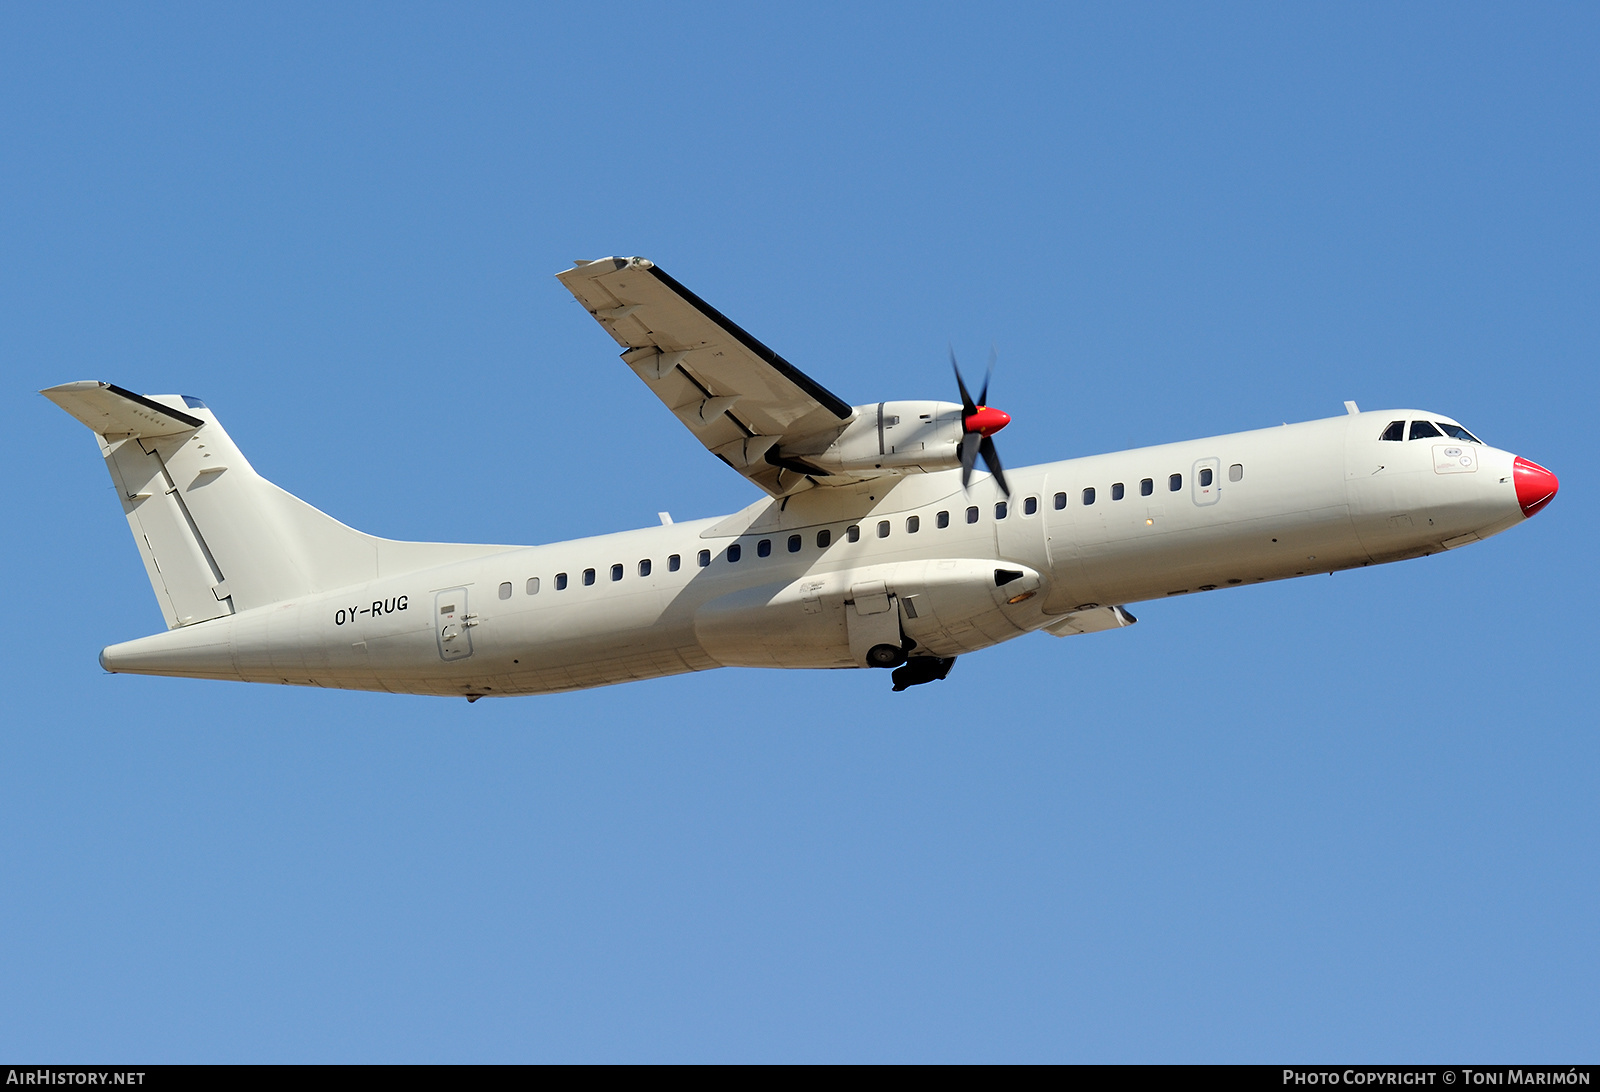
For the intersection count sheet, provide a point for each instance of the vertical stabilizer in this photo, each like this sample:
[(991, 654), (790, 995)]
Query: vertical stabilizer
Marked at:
[(215, 536)]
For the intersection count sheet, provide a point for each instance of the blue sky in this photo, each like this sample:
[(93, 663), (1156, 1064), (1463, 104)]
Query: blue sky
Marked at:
[(1332, 818)]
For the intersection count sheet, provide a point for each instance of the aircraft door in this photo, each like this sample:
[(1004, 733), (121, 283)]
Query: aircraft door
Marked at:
[(1207, 478), (453, 624)]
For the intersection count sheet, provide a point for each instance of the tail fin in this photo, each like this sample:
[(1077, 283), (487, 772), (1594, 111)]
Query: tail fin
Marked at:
[(215, 536)]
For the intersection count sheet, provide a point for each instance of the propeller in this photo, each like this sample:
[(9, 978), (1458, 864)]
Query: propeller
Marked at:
[(979, 422)]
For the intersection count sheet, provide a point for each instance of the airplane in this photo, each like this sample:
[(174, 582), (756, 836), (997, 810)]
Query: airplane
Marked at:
[(875, 544)]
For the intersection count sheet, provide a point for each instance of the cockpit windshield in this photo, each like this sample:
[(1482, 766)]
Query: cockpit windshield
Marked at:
[(1456, 432), (1427, 430)]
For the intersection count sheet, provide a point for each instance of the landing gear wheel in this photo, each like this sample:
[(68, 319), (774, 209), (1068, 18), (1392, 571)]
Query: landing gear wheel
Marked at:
[(885, 656)]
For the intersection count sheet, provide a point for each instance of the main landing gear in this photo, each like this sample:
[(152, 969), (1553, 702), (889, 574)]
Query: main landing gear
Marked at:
[(921, 669), (908, 670)]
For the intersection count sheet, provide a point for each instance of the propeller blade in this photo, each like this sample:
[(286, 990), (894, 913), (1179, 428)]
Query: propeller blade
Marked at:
[(980, 422), (991, 459), (968, 406), (970, 443)]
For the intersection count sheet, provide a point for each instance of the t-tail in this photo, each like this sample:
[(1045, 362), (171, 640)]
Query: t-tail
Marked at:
[(216, 537)]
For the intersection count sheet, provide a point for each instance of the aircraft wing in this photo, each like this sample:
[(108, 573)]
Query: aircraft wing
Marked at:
[(739, 398)]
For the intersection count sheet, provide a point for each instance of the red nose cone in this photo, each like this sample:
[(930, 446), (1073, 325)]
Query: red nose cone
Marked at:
[(987, 421), (1536, 486)]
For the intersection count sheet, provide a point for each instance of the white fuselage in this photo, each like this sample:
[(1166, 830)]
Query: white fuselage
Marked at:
[(1280, 502)]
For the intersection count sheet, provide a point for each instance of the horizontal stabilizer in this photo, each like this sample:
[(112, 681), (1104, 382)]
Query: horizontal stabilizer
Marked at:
[(111, 411)]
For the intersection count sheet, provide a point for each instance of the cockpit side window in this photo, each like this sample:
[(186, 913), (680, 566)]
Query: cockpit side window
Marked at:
[(1423, 430), (1456, 432), (1395, 431)]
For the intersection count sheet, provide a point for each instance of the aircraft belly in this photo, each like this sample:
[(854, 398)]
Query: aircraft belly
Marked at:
[(797, 624), (610, 670), (550, 646), (946, 606)]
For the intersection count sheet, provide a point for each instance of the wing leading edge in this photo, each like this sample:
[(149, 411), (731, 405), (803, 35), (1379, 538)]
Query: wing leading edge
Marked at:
[(740, 399)]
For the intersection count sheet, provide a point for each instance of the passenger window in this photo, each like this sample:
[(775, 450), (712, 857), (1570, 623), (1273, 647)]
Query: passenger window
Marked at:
[(505, 590), (943, 520), (1146, 487), (734, 553), (704, 559), (1030, 506), (1061, 501), (764, 548), (533, 585), (824, 537), (1088, 495), (644, 567), (616, 572), (1236, 472), (1395, 431), (883, 528), (561, 581), (794, 544), (588, 577), (1116, 491), (1000, 510), (1205, 476), (1175, 482), (972, 514), (674, 563), (1422, 430), (913, 524), (853, 534)]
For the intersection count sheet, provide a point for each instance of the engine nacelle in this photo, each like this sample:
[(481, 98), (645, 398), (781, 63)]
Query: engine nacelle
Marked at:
[(897, 437)]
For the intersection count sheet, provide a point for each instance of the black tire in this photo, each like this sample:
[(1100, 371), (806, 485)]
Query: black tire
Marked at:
[(885, 656)]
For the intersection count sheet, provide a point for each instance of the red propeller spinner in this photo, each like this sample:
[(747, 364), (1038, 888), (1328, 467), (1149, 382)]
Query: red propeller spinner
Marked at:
[(986, 421)]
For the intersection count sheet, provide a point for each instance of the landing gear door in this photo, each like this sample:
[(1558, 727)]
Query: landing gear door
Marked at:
[(1207, 478), (453, 624), (873, 623)]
